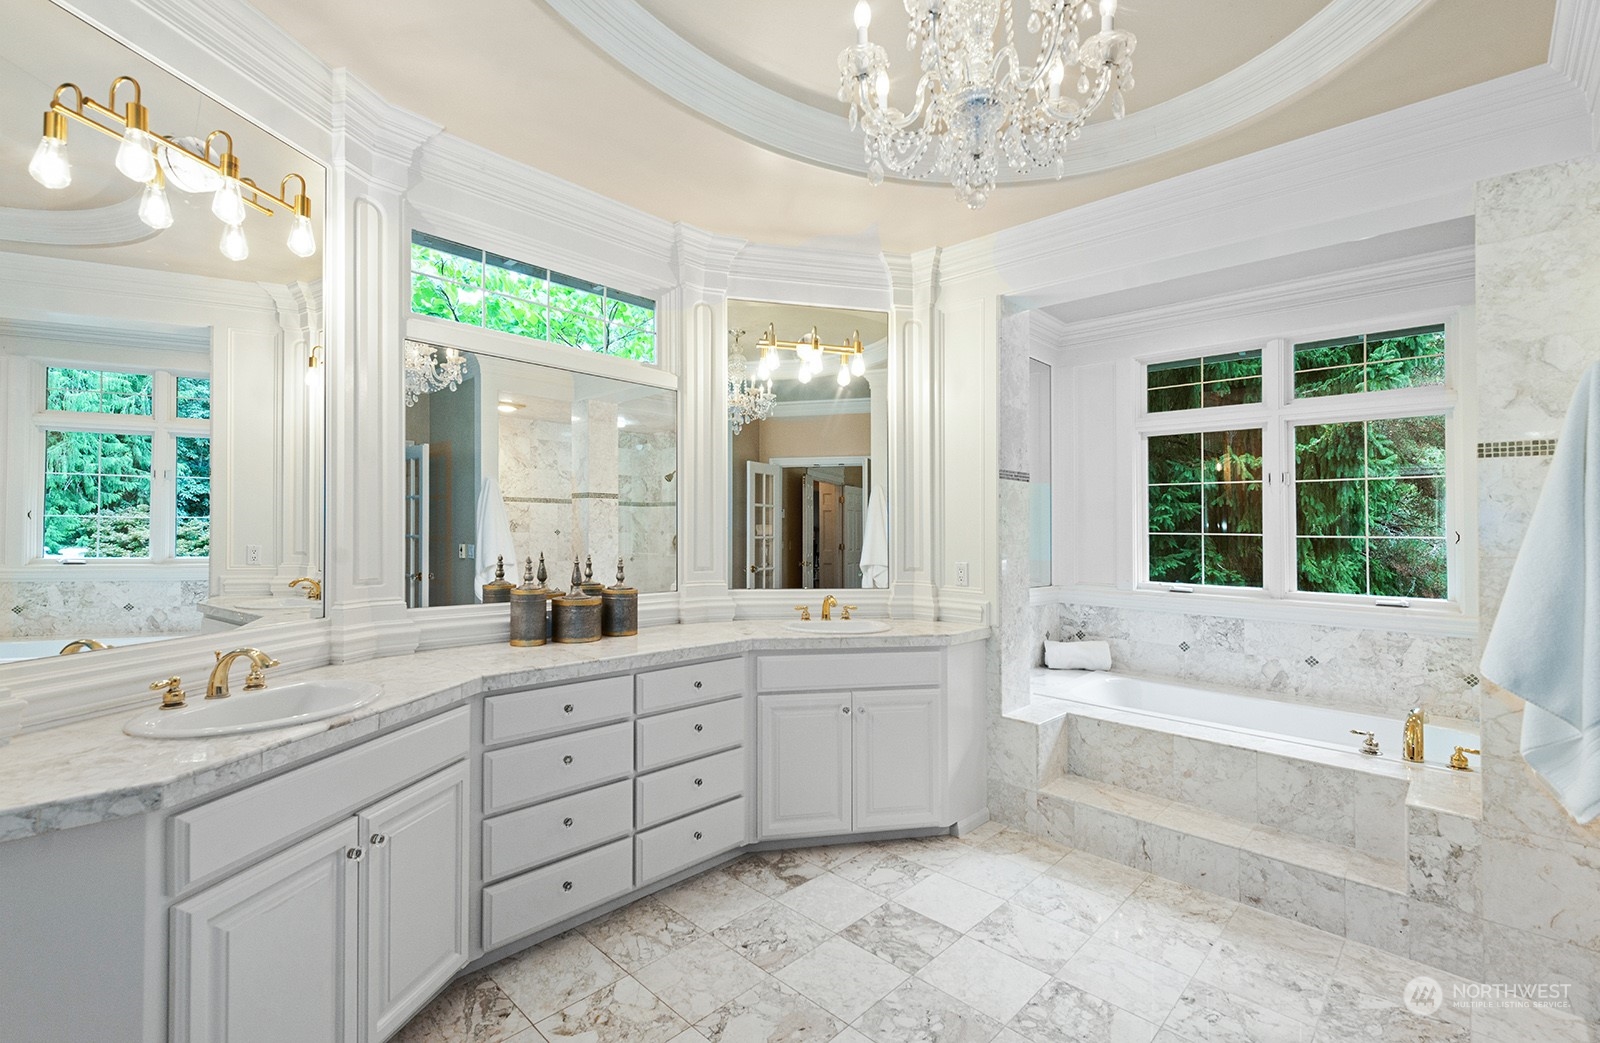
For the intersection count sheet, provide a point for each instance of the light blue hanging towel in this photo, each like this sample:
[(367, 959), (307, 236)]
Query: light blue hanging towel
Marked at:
[(1545, 646)]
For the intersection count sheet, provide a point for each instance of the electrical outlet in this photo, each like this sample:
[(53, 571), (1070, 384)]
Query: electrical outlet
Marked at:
[(252, 554), (963, 575)]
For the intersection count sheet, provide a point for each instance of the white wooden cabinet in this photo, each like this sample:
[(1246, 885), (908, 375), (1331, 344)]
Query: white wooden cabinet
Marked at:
[(340, 938), (842, 762)]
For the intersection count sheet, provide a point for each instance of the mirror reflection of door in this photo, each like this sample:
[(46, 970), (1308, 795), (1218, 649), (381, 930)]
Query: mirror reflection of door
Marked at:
[(763, 537), (808, 532), (830, 536), (416, 526)]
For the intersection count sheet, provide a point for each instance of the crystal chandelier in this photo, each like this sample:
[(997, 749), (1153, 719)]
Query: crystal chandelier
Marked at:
[(748, 401), (425, 374), (975, 104)]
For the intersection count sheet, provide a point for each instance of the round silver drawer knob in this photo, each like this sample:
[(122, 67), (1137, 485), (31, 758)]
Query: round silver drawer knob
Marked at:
[(353, 854), (567, 708), (378, 840), (699, 684), (844, 709), (567, 822), (566, 885), (699, 782), (699, 727), (697, 834), (567, 759)]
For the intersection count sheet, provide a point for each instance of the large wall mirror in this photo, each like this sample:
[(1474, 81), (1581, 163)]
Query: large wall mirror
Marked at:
[(162, 472), (809, 450), (520, 460)]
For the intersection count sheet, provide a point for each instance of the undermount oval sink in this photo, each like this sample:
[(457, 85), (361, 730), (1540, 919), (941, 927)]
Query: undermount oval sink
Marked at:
[(836, 627), (278, 706), (270, 604)]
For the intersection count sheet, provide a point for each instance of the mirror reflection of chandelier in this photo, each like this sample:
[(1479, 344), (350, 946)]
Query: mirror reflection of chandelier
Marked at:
[(425, 373), (975, 103), (748, 401)]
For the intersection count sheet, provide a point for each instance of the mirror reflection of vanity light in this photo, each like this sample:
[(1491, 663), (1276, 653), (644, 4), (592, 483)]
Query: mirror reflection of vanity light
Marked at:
[(508, 407), (314, 366)]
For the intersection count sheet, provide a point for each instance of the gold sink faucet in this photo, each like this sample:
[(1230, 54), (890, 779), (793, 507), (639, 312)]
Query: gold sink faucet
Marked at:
[(313, 587), (828, 604), (254, 681), (1411, 744)]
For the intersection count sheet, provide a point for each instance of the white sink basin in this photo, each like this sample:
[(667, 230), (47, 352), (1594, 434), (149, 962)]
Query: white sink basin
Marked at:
[(836, 627), (272, 605), (278, 706)]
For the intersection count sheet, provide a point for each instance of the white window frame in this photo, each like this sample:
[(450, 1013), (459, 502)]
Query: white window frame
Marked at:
[(1276, 415), (163, 425)]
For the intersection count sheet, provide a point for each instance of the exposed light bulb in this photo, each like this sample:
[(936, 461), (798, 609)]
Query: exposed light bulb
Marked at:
[(844, 374), (302, 240), (858, 364), (227, 203), (804, 376), (154, 208), (49, 164), (234, 247), (134, 157)]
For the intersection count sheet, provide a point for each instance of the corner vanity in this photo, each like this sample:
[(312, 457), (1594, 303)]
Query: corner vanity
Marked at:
[(489, 798)]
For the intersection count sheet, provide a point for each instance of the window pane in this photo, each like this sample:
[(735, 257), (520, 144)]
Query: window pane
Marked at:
[(1168, 374), (1330, 451), (1332, 566), (194, 398), (1405, 373), (1232, 561), (1325, 354), (1412, 445), (1331, 508), (446, 300), (193, 498), (1208, 483), (1243, 391), (97, 391), (1409, 568), (1374, 362), (580, 331), (508, 315), (1231, 456), (97, 494), (1174, 508), (1317, 383), (1214, 380), (513, 278), (576, 297), (1407, 506), (1233, 507), (1175, 559), (1174, 458), (1164, 400)]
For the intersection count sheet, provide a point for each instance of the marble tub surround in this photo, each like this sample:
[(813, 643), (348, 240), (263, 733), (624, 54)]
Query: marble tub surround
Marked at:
[(1142, 958), (89, 771), (97, 608)]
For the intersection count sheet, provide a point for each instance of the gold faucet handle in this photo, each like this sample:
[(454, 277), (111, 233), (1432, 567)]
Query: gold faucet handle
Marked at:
[(1458, 759), (1370, 746), (847, 610), (172, 693), (256, 680), (804, 610)]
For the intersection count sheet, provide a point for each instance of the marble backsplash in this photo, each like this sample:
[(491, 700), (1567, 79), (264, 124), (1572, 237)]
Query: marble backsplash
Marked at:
[(38, 609), (1371, 671)]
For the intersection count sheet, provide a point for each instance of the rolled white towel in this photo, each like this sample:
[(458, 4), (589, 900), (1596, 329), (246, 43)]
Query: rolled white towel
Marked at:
[(1077, 655)]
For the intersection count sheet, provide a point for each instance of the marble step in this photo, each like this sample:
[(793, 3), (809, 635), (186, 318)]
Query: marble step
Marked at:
[(1329, 886)]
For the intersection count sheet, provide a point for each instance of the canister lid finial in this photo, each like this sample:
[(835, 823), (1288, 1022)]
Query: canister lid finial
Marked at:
[(544, 573)]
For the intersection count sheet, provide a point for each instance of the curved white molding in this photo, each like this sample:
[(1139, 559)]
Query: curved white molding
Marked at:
[(114, 225), (651, 50)]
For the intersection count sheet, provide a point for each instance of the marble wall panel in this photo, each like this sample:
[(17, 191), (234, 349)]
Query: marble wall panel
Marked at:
[(32, 609)]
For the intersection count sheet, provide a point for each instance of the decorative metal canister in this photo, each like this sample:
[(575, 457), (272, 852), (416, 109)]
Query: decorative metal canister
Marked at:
[(498, 590), (577, 615), (527, 612), (620, 609), (591, 586)]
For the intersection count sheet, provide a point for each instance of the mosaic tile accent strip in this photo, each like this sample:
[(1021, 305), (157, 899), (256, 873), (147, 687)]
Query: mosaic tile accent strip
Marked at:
[(1517, 447), (1472, 680), (1080, 635), (1013, 476), (1183, 645), (1312, 660)]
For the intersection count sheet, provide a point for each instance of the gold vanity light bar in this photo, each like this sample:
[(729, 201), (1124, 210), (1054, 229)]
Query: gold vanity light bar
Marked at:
[(136, 159), (813, 341)]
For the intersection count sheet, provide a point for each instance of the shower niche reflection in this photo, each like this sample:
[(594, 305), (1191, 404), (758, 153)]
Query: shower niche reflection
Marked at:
[(522, 460)]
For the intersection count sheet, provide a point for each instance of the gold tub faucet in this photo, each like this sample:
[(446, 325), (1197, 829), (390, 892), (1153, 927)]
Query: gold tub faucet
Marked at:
[(1412, 744), (254, 681), (83, 644), (313, 587)]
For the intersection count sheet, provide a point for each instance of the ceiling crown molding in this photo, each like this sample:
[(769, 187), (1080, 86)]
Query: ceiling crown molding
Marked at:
[(1575, 49), (123, 335), (114, 225), (645, 46), (829, 276)]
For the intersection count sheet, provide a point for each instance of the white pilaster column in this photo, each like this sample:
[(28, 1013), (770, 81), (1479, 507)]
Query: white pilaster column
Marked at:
[(913, 594)]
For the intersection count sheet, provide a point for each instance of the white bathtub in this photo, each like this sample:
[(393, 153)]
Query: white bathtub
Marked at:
[(1255, 720), (43, 648)]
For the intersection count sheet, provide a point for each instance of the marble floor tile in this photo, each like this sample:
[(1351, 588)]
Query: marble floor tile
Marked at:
[(952, 903), (933, 852), (883, 874), (1351, 1014), (1384, 975), (711, 899), (1207, 1014), (622, 1012), (772, 936), (1179, 945), (978, 835), (829, 855), (1181, 902), (902, 936), (991, 873), (984, 979), (1112, 879), (697, 978), (687, 1036), (640, 933), (473, 1010), (1527, 1025), (1067, 902), (1038, 941), (917, 1012), (1278, 963), (831, 901), (1136, 983), (773, 872), (771, 1012), (553, 974), (1064, 1013), (1025, 848), (842, 978)]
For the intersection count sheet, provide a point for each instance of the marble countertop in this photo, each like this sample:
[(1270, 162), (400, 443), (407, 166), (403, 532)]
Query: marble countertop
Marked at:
[(89, 771)]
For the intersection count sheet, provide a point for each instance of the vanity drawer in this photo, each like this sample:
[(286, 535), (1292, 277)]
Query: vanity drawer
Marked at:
[(527, 715), (545, 832), (820, 673), (683, 685), (671, 792), (666, 849), (545, 896), (550, 767), (687, 733)]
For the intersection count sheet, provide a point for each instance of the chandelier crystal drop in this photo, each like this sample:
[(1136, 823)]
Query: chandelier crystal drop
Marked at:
[(425, 373), (748, 400), (977, 102)]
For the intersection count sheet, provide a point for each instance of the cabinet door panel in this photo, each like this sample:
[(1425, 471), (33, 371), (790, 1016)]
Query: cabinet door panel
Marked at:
[(413, 897), (804, 763), (897, 759), (270, 954)]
